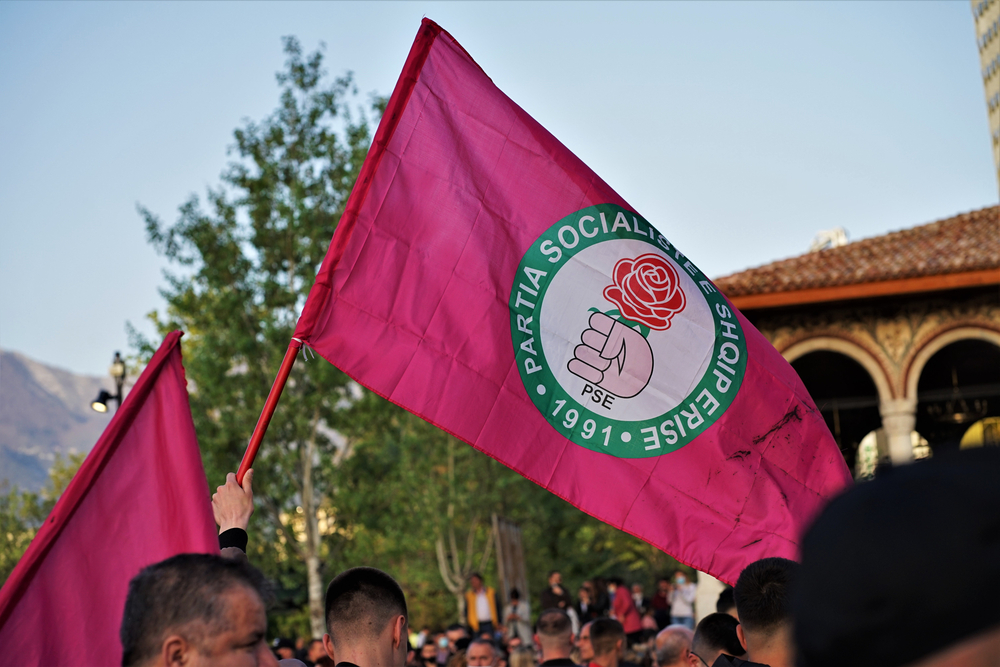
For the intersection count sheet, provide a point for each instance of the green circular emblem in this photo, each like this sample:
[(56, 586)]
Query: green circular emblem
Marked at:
[(621, 342)]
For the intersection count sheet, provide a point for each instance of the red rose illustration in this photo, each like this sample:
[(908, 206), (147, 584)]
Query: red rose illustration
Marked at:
[(646, 290)]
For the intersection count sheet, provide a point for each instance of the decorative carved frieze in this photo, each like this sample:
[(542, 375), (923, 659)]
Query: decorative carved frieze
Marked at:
[(893, 331)]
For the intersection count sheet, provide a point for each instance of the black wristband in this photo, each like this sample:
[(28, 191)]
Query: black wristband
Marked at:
[(234, 537)]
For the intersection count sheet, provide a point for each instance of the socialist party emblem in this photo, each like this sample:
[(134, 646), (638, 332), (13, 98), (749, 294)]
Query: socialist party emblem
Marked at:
[(622, 344)]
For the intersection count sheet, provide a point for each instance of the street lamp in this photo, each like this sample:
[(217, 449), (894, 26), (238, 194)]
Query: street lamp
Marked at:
[(117, 372)]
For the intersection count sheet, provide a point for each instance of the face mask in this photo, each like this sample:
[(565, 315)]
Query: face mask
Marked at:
[(681, 581)]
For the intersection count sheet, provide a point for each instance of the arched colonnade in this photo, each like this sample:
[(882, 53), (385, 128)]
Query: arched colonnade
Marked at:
[(896, 384)]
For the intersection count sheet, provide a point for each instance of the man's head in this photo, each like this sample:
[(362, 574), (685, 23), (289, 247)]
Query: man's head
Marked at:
[(613, 584), (680, 577), (365, 607), (607, 636), (476, 581), (555, 578), (663, 586), (911, 521), (428, 653), (554, 634), (315, 650), (283, 648), (584, 644), (726, 604), (481, 653), (673, 645), (456, 634), (763, 600), (715, 635), (195, 609)]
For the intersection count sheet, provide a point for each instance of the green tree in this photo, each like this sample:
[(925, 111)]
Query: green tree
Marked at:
[(23, 512), (394, 496), (246, 265)]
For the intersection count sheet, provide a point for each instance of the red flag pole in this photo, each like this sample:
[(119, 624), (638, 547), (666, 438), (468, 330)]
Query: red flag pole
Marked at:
[(269, 405)]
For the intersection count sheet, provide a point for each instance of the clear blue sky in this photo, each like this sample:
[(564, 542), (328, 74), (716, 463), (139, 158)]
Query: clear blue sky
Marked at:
[(739, 129)]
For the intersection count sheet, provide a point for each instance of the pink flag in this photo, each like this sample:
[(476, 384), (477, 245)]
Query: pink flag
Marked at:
[(139, 497), (487, 280)]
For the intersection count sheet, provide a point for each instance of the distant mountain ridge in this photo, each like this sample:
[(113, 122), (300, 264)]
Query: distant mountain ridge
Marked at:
[(44, 411)]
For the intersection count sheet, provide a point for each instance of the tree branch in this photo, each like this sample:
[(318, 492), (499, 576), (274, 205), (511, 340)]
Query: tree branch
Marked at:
[(443, 567)]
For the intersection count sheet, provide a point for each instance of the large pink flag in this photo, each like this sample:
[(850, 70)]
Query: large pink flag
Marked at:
[(487, 280), (139, 497)]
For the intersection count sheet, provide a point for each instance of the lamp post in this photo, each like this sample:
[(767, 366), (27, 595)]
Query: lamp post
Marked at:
[(117, 372)]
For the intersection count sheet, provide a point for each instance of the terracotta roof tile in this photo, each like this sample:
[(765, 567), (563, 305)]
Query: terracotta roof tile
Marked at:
[(966, 242)]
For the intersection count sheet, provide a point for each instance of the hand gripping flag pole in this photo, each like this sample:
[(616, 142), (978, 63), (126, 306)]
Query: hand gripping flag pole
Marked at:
[(269, 405)]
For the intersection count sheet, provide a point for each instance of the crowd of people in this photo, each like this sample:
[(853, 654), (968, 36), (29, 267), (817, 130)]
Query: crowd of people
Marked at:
[(857, 598), (518, 642)]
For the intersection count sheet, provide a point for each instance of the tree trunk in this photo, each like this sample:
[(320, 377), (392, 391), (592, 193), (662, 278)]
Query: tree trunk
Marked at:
[(454, 573), (317, 624), (460, 599)]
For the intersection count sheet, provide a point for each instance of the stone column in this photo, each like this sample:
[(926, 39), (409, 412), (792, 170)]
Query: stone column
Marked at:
[(707, 595), (899, 417)]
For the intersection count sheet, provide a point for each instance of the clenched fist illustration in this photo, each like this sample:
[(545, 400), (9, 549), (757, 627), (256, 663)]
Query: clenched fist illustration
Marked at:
[(613, 356)]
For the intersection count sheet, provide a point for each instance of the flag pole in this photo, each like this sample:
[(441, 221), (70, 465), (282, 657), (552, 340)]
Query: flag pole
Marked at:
[(269, 405)]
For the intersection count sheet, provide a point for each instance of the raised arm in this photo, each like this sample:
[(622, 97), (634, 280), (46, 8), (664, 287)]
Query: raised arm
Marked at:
[(232, 506)]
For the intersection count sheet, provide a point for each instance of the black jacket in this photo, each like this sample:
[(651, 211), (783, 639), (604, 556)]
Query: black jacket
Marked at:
[(551, 601), (729, 661)]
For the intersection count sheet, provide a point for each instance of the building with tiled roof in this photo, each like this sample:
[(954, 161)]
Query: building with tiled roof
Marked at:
[(897, 337), (957, 252)]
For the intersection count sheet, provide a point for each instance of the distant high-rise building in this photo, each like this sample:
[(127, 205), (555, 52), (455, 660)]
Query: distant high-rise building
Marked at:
[(987, 15)]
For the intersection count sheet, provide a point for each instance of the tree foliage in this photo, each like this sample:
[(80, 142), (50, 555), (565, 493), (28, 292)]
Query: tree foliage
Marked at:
[(343, 478), (394, 491), (23, 512), (246, 266)]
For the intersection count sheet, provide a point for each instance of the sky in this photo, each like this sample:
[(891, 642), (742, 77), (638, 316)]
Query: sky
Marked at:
[(739, 129)]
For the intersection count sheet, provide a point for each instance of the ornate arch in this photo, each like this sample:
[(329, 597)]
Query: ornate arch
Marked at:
[(848, 349), (931, 347)]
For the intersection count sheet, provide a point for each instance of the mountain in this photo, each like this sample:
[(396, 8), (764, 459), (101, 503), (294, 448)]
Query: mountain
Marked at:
[(44, 411)]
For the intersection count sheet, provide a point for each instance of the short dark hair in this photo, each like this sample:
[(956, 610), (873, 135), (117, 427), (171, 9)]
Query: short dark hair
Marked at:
[(726, 600), (762, 593), (717, 632), (183, 591), (604, 634), (479, 641), (360, 602), (554, 622), (551, 572)]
